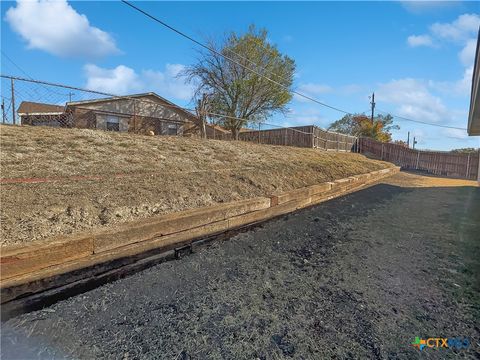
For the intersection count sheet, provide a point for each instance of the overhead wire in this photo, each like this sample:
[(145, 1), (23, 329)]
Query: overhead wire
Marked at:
[(231, 59), (420, 122)]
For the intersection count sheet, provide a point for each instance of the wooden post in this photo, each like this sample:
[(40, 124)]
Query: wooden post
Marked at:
[(418, 159), (4, 116), (478, 168), (468, 166), (13, 101), (381, 156), (135, 115)]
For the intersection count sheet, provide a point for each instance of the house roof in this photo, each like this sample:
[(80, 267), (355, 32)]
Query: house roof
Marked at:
[(172, 106), (34, 108), (222, 129), (217, 128)]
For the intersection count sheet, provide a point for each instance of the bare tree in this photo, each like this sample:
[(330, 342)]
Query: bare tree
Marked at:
[(202, 109), (240, 95)]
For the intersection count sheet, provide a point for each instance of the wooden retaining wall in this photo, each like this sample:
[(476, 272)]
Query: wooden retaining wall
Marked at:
[(435, 162), (37, 267)]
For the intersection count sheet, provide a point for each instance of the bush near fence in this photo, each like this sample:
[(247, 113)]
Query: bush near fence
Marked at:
[(434, 162)]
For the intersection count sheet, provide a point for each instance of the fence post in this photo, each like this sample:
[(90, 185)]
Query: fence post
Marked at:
[(13, 101), (468, 167), (3, 111), (478, 168), (381, 156), (418, 159)]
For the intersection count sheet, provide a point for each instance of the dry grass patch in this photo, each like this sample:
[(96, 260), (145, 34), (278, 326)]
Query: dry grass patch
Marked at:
[(161, 174)]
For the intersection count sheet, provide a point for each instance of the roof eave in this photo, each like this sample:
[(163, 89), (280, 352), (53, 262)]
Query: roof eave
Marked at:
[(473, 127)]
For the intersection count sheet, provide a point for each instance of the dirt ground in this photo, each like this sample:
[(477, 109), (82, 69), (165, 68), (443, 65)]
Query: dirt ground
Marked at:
[(353, 278), (60, 181)]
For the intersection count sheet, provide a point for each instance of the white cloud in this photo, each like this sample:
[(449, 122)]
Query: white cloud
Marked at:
[(460, 29), (420, 40), (55, 27), (120, 80), (455, 134), (467, 55), (168, 82), (464, 85), (461, 87), (312, 90), (302, 115), (123, 80), (418, 7), (414, 100)]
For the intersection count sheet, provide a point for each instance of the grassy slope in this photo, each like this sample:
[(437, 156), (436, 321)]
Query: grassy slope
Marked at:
[(163, 174)]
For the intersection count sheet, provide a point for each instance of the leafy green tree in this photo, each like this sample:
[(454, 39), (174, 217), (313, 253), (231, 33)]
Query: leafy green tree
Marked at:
[(374, 130), (239, 96), (350, 124)]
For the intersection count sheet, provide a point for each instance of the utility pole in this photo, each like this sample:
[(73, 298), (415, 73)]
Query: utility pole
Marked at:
[(408, 139), (70, 94), (13, 101), (414, 142), (373, 106)]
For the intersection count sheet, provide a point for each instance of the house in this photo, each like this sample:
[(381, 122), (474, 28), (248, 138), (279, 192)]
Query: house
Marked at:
[(136, 113), (33, 113), (215, 131), (141, 113)]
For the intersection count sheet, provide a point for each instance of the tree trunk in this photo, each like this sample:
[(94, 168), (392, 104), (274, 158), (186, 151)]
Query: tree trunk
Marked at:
[(235, 133), (203, 129)]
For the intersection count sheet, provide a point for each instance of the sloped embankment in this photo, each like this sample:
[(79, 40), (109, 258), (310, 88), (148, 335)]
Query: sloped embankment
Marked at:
[(60, 181)]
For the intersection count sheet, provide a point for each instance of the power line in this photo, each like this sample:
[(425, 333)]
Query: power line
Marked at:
[(25, 73), (229, 58), (14, 64), (263, 76), (174, 106), (421, 122), (42, 83)]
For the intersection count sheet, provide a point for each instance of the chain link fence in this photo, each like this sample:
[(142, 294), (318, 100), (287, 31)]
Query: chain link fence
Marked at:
[(37, 103), (31, 102)]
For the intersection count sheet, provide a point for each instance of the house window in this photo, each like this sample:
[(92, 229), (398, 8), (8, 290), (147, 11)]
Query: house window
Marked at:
[(113, 123), (172, 129)]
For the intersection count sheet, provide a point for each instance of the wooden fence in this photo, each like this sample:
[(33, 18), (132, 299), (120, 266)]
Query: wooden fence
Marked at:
[(308, 136), (333, 141), (435, 162)]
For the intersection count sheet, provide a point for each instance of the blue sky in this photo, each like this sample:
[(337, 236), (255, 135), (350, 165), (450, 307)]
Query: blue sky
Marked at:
[(416, 56)]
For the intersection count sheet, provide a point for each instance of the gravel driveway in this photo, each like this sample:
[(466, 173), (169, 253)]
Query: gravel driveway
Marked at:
[(357, 277)]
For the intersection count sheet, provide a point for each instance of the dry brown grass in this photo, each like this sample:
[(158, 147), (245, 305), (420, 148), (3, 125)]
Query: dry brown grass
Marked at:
[(412, 179), (164, 174)]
